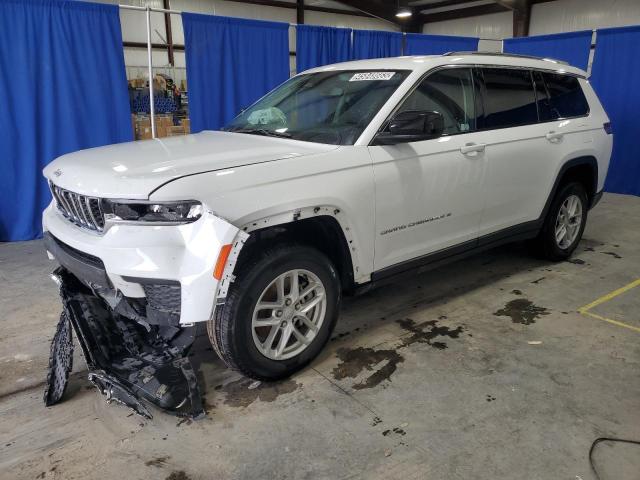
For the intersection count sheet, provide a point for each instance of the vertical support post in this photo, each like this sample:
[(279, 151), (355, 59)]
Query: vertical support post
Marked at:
[(300, 12), (416, 23), (152, 106), (167, 30), (522, 18)]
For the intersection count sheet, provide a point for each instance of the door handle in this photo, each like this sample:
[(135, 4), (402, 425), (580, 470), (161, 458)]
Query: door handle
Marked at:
[(554, 137), (473, 147)]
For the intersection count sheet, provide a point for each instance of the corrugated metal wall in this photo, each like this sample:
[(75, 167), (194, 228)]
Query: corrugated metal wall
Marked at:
[(494, 26), (573, 15), (134, 27), (551, 17)]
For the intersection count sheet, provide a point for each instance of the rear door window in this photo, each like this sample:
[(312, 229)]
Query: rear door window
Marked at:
[(509, 98), (565, 97)]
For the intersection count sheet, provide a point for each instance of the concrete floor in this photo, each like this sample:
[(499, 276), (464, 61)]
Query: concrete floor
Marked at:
[(479, 370)]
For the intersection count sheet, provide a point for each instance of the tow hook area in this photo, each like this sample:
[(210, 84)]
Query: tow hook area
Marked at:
[(129, 363)]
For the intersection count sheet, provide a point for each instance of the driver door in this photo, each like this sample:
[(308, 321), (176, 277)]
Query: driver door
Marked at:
[(429, 194)]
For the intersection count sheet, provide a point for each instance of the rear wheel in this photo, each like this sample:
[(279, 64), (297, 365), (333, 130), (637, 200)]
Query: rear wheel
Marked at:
[(564, 224), (279, 312)]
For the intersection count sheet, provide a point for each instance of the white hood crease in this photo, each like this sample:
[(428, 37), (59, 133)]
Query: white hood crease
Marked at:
[(133, 170)]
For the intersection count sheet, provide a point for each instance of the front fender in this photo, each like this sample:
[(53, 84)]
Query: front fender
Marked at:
[(339, 184)]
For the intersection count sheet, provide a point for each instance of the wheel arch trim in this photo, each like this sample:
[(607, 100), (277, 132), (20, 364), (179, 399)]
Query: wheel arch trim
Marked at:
[(359, 273), (588, 160)]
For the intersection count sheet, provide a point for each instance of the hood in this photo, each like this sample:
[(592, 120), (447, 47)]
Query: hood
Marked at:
[(133, 170)]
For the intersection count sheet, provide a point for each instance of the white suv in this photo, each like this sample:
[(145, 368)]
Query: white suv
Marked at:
[(342, 177)]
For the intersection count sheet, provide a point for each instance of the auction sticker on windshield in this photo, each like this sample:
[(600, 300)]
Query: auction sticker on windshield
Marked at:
[(363, 76)]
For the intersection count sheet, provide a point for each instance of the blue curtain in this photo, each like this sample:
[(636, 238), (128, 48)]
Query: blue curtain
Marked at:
[(615, 76), (231, 62), (64, 89), (418, 44), (572, 47), (376, 44), (317, 46)]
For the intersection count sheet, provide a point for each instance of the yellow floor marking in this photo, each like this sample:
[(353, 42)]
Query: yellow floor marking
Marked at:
[(605, 298), (610, 320)]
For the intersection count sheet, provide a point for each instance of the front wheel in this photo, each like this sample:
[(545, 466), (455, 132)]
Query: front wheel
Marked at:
[(279, 312), (564, 224)]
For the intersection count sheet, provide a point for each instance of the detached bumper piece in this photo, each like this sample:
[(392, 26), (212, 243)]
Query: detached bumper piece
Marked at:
[(129, 363)]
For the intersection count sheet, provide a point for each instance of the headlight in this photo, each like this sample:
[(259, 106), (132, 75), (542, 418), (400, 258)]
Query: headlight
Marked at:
[(167, 213)]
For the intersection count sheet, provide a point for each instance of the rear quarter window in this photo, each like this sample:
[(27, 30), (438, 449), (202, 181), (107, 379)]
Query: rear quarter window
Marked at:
[(565, 97)]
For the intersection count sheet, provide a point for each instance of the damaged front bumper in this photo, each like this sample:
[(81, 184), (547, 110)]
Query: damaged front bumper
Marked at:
[(169, 268), (129, 363), (132, 296)]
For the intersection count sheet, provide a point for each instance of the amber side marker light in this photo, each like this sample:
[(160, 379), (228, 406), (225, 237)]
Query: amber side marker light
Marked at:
[(222, 261)]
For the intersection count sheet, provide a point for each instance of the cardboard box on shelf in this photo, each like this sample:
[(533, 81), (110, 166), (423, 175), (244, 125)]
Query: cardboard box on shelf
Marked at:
[(186, 125), (142, 127), (142, 121), (174, 131), (161, 131), (164, 126), (143, 133)]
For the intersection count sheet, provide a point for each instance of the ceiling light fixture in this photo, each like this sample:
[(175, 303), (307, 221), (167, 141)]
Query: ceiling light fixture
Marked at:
[(403, 12)]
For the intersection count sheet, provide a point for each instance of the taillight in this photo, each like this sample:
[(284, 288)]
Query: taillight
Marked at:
[(607, 128)]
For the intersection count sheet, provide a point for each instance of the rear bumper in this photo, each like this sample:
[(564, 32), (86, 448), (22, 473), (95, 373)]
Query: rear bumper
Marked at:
[(131, 260)]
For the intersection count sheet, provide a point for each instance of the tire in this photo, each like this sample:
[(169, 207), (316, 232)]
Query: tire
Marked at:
[(232, 332), (546, 244)]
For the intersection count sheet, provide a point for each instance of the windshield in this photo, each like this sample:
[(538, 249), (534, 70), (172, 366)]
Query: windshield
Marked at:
[(327, 107)]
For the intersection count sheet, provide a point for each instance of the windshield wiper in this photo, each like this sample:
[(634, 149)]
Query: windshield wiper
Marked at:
[(261, 131)]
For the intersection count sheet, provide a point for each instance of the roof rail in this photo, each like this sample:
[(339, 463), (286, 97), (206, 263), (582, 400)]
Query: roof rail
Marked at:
[(501, 54)]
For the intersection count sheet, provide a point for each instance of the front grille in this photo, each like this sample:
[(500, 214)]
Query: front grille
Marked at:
[(82, 210)]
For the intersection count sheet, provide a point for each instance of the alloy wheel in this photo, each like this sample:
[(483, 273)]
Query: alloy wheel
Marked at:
[(568, 221), (289, 314)]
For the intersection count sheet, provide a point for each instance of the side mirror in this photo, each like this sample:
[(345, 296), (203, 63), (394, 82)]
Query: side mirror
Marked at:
[(411, 126)]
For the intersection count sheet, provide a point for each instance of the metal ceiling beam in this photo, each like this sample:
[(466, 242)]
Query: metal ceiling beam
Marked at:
[(383, 11), (443, 3), (463, 13), (521, 9), (309, 8), (509, 4)]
